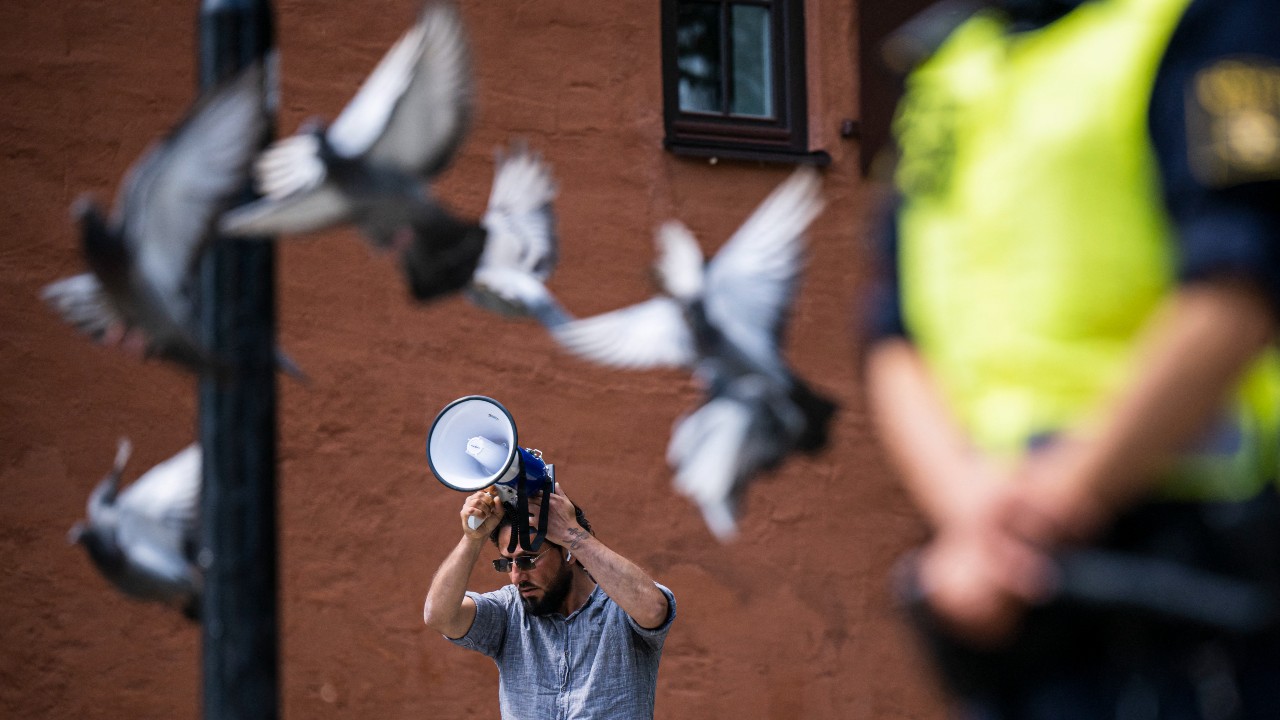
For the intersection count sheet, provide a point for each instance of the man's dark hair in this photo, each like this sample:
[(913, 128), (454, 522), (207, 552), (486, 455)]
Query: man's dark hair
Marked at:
[(509, 518)]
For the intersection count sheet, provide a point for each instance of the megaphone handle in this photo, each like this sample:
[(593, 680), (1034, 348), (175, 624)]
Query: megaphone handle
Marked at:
[(474, 522)]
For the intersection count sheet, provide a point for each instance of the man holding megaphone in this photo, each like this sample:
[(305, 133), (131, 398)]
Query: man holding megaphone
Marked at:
[(579, 630)]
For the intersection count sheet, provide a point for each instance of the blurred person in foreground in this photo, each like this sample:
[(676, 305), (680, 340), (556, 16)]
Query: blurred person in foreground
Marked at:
[(578, 632), (1071, 357)]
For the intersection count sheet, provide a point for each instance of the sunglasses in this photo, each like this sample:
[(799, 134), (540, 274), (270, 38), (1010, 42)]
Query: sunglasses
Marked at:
[(522, 562)]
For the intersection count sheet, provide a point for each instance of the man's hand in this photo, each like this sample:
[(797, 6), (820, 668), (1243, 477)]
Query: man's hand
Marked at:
[(562, 523), (485, 505), (1054, 502), (979, 574), (625, 583), (980, 587)]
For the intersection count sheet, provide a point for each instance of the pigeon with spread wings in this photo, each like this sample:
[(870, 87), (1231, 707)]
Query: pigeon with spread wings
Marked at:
[(139, 293), (724, 319), (372, 167), (143, 540)]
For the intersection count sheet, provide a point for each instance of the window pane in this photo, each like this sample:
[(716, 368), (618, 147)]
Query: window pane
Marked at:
[(698, 57), (733, 80), (752, 69)]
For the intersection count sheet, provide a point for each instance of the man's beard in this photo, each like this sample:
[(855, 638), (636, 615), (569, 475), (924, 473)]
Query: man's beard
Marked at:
[(552, 597)]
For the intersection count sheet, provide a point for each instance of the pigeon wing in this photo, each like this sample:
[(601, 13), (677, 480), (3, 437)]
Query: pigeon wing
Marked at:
[(307, 211), (82, 302), (647, 335), (414, 108), (171, 197), (680, 265), (751, 281), (292, 178), (520, 218), (163, 506), (161, 572)]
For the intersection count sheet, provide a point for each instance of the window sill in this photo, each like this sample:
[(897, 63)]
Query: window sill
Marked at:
[(819, 158)]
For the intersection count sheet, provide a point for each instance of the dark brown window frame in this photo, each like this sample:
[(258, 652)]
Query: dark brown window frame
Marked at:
[(784, 138)]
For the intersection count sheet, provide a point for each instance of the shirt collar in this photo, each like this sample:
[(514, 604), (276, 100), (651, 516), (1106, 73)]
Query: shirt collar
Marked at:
[(587, 603)]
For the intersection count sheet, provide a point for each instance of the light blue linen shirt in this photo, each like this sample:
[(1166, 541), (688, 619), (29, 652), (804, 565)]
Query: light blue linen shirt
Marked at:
[(595, 664)]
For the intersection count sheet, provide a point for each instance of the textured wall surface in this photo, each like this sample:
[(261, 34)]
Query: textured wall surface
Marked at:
[(791, 620)]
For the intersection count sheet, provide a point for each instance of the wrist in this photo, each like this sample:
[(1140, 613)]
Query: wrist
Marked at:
[(1078, 502), (574, 538)]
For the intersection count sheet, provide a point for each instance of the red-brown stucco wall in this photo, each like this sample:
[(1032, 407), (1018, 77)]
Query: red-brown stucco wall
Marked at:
[(792, 620)]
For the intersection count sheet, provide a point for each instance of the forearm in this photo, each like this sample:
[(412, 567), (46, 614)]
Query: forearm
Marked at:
[(625, 583), (932, 455), (446, 609), (1192, 359)]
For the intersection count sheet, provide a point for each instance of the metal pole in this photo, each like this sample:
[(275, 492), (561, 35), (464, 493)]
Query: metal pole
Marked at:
[(238, 425)]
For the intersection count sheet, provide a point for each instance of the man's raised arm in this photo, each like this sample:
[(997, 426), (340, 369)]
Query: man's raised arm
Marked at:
[(447, 609), (625, 583)]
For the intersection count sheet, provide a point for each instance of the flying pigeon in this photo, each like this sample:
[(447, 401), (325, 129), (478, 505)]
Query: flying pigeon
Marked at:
[(142, 261), (724, 320), (143, 540), (372, 166)]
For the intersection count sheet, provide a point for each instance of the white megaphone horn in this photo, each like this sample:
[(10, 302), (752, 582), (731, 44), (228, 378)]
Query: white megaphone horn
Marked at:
[(473, 444)]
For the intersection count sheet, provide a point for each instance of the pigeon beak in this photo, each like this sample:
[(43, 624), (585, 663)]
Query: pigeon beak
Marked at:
[(76, 533)]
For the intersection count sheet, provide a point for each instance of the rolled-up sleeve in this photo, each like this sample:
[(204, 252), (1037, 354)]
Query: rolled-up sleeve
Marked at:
[(489, 629), (655, 637)]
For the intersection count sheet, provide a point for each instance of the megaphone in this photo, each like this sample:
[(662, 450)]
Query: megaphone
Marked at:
[(473, 444)]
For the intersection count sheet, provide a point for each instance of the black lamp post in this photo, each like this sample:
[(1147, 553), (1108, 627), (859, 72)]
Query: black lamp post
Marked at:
[(238, 424)]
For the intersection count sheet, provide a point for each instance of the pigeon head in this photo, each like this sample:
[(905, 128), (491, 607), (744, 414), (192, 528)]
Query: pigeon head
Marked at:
[(84, 208), (87, 213), (100, 544), (313, 125)]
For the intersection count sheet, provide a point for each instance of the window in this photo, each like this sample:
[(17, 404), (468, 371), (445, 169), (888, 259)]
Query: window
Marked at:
[(734, 79)]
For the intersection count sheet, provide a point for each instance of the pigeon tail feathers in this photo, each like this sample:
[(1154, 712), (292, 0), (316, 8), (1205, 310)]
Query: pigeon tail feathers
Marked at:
[(441, 256), (817, 411)]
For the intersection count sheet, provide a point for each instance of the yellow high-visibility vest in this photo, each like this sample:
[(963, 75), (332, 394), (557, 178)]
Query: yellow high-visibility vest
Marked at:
[(1034, 245)]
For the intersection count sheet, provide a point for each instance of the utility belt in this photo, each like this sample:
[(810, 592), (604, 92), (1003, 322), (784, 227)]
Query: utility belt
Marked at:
[(1167, 579)]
